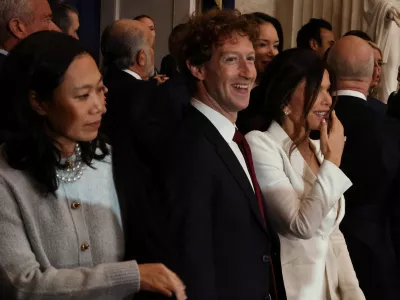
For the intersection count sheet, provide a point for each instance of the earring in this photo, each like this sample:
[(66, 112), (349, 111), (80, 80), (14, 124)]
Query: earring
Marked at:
[(286, 112)]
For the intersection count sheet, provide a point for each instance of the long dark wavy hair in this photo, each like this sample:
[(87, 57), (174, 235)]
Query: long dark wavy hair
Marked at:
[(38, 64), (279, 82)]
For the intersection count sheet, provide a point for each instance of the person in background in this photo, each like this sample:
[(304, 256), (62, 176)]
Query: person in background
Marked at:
[(376, 79), (360, 34), (19, 19), (223, 246), (268, 45), (61, 223), (371, 159), (300, 178), (66, 17), (316, 35), (377, 73), (169, 64), (393, 103), (148, 21)]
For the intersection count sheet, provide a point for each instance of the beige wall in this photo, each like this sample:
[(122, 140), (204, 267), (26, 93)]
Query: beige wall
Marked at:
[(249, 6)]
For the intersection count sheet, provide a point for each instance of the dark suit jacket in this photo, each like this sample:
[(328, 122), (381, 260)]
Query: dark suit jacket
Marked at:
[(393, 104), (2, 59), (128, 101), (371, 160), (379, 106), (169, 66), (220, 245), (170, 100)]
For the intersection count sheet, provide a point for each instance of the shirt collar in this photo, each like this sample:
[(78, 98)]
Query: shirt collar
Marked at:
[(2, 51), (225, 127), (350, 93), (134, 74)]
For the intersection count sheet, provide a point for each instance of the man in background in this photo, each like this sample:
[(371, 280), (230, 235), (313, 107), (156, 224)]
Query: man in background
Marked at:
[(316, 35), (66, 17)]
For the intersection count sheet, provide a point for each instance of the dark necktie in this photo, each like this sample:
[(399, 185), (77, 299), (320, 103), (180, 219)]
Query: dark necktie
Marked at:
[(244, 147)]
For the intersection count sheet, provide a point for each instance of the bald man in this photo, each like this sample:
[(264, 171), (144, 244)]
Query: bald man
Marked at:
[(128, 60), (371, 159)]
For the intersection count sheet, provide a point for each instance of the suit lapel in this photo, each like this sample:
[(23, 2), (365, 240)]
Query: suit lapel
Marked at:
[(231, 162), (296, 159)]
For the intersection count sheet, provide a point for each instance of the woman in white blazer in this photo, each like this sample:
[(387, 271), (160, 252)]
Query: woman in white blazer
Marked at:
[(300, 178)]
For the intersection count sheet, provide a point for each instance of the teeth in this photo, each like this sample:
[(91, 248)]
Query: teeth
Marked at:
[(320, 113), (240, 86)]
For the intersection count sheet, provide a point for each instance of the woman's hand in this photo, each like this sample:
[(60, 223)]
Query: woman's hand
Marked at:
[(159, 279), (332, 144)]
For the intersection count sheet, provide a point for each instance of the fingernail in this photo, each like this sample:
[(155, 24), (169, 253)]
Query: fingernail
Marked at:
[(323, 121)]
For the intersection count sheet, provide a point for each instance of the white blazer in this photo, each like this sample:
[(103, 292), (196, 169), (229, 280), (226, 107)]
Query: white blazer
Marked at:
[(306, 211)]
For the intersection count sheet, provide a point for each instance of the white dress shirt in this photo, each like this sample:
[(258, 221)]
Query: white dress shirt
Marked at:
[(2, 51), (225, 127), (350, 93), (134, 74)]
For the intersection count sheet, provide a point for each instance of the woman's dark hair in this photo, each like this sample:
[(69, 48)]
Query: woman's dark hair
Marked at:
[(138, 18), (37, 65), (285, 72), (261, 18), (360, 34)]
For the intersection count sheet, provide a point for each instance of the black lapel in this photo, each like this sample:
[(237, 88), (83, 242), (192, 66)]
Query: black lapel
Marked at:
[(230, 160)]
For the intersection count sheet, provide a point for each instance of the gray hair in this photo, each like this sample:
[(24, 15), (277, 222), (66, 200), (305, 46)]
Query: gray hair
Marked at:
[(120, 47), (352, 69), (10, 9)]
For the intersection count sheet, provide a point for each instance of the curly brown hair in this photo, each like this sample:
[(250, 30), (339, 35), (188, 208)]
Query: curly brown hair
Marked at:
[(211, 30)]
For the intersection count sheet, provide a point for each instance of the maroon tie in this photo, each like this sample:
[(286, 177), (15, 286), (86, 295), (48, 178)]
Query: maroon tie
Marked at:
[(244, 147)]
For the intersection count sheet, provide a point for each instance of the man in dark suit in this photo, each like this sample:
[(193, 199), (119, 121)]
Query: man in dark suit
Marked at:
[(129, 63), (371, 160), (20, 18), (221, 243), (20, 23), (377, 105)]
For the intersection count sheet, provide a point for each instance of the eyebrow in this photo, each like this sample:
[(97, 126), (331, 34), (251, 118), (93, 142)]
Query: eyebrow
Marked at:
[(234, 52), (269, 40), (88, 86)]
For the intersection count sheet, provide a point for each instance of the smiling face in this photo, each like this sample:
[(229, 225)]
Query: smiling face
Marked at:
[(266, 47), (318, 112), (229, 76), (78, 103), (378, 62)]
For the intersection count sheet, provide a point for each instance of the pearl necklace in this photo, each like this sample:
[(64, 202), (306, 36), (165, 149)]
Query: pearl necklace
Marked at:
[(74, 169)]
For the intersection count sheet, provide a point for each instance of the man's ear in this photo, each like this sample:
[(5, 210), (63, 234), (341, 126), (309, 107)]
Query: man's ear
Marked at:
[(314, 45), (17, 28), (141, 58), (197, 71), (37, 105)]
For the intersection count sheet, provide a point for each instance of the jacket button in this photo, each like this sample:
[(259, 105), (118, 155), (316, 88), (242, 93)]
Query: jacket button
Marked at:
[(84, 247), (75, 205), (266, 258)]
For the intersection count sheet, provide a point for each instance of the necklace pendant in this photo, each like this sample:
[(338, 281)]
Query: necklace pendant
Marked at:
[(69, 165)]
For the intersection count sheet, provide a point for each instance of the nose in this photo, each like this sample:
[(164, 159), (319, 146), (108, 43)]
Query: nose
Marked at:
[(273, 52), (247, 69), (327, 100), (99, 105)]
